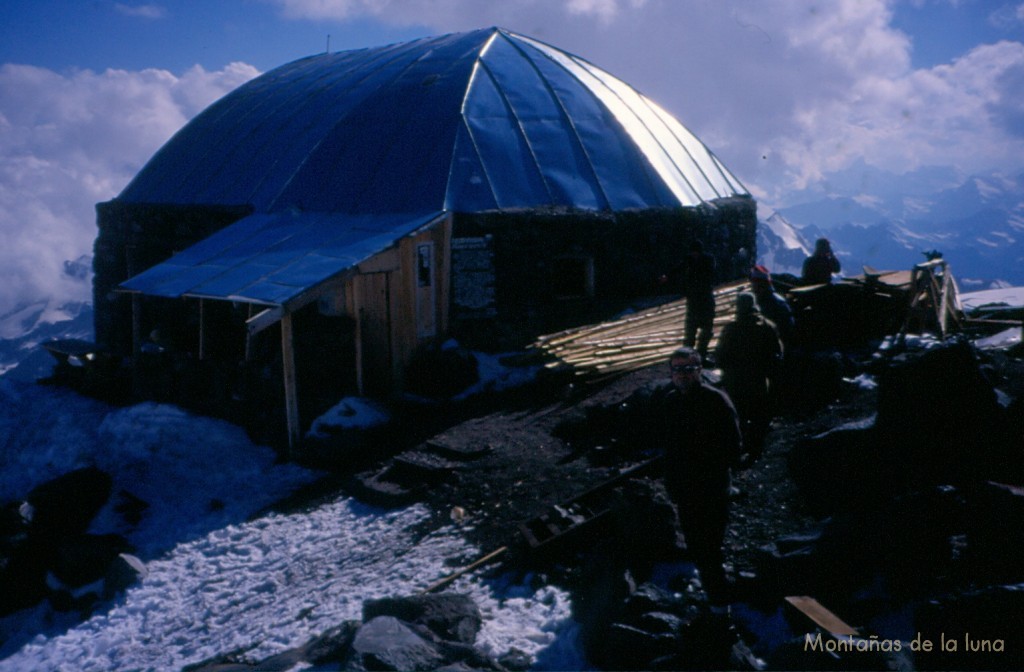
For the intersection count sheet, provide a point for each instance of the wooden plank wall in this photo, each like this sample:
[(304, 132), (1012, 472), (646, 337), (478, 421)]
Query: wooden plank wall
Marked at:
[(383, 297)]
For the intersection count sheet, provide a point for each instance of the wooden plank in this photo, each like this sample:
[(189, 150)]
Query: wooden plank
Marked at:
[(821, 616), (490, 557), (264, 319)]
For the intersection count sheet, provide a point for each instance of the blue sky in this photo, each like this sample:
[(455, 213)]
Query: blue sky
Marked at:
[(792, 95), (176, 34)]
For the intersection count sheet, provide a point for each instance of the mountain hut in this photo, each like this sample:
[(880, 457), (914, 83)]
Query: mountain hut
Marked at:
[(309, 233)]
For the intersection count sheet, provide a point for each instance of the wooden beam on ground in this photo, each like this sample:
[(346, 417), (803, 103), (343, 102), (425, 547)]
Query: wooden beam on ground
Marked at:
[(821, 616), (490, 557)]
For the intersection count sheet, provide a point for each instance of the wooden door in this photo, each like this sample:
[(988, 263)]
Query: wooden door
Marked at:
[(374, 301)]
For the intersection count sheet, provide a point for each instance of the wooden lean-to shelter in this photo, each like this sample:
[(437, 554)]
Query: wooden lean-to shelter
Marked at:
[(308, 234)]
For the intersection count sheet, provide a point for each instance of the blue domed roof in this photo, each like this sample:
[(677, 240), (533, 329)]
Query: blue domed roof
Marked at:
[(340, 155), (465, 122)]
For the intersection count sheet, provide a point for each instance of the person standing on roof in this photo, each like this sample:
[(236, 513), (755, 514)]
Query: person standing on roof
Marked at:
[(819, 267), (696, 277)]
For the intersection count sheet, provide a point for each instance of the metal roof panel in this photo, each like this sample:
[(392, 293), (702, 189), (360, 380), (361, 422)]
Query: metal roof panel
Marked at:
[(395, 129), (273, 258)]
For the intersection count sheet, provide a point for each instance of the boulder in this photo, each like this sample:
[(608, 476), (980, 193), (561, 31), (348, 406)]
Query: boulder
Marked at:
[(329, 649), (441, 372), (939, 416), (984, 624), (654, 629), (23, 574), (643, 520), (995, 532), (386, 643), (450, 616), (843, 469), (125, 571), (67, 504), (334, 645), (86, 558)]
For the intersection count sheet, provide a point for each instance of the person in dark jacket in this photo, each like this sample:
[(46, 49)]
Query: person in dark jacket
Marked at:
[(819, 267), (749, 353), (697, 431), (772, 305), (696, 278)]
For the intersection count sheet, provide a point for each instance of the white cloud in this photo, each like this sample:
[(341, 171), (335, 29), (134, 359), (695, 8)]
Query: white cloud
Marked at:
[(68, 141), (785, 93), (141, 11)]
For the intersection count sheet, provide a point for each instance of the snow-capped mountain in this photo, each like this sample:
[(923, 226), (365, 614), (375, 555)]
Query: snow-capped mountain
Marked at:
[(976, 223), (25, 326), (781, 247)]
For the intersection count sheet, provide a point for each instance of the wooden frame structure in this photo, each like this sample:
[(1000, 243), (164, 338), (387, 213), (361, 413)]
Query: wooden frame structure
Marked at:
[(398, 299)]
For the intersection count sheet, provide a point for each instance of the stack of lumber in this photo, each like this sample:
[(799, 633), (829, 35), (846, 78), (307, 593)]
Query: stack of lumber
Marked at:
[(634, 341)]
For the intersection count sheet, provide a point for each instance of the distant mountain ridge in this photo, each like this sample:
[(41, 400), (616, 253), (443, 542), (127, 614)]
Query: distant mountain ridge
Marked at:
[(977, 224), (23, 330), (26, 326)]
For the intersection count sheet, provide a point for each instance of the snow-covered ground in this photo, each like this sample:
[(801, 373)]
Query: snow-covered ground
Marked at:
[(1006, 296), (220, 578)]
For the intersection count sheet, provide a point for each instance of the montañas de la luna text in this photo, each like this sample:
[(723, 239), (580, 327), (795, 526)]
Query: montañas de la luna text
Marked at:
[(873, 643)]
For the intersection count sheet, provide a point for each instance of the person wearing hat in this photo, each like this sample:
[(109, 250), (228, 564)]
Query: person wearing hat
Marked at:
[(749, 353)]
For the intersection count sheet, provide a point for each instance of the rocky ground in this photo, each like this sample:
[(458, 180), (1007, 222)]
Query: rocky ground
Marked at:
[(509, 465), (506, 460)]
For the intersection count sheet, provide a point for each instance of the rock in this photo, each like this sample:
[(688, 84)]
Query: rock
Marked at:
[(385, 643), (441, 372), (842, 469), (67, 504), (941, 417), (334, 645), (995, 534), (649, 598), (810, 380), (789, 565), (515, 660), (125, 571), (450, 616), (86, 558), (328, 649), (625, 647), (603, 588), (15, 518), (23, 574), (644, 521), (983, 624)]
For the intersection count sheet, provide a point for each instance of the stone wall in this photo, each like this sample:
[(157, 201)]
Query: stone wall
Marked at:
[(533, 250)]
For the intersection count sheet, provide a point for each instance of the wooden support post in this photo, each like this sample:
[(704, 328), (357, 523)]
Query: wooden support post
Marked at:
[(136, 342), (357, 313), (136, 324), (202, 330), (291, 399), (249, 337)]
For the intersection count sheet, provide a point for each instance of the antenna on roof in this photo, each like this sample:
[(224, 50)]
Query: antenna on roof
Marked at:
[(328, 43)]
